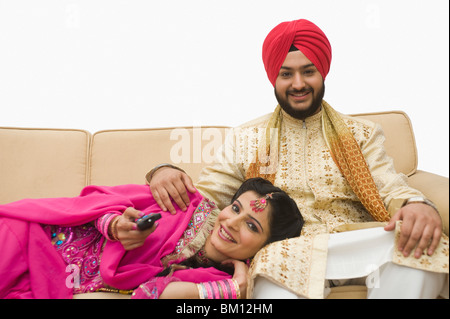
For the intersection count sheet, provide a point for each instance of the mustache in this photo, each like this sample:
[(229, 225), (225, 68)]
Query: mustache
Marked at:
[(302, 91)]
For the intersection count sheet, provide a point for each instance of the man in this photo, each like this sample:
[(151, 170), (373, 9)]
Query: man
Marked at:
[(336, 169)]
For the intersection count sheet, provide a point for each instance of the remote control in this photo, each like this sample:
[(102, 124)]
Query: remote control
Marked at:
[(147, 221)]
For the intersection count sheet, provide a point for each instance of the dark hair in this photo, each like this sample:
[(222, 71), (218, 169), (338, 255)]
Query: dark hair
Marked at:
[(293, 48), (285, 219)]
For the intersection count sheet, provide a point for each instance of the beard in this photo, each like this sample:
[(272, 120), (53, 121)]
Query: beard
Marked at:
[(301, 114)]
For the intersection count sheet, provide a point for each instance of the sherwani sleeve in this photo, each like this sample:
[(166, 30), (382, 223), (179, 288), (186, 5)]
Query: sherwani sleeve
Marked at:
[(392, 186), (220, 181)]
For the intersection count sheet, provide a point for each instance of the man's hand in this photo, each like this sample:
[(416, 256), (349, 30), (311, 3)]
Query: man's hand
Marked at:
[(421, 228), (126, 228), (167, 183)]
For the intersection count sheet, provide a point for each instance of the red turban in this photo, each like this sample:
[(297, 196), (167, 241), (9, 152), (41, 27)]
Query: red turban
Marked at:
[(305, 36)]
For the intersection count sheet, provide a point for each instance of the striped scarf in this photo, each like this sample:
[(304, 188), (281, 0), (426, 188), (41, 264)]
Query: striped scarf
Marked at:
[(346, 154)]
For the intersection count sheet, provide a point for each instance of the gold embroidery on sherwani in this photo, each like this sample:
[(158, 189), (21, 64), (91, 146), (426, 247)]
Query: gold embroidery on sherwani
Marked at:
[(266, 167), (307, 172), (348, 156), (345, 151), (438, 262), (289, 270)]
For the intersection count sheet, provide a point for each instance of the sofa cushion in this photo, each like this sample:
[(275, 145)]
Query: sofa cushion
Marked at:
[(125, 156), (400, 141), (42, 162)]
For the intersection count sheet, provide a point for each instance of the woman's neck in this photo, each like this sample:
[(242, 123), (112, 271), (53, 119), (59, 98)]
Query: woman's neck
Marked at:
[(212, 253)]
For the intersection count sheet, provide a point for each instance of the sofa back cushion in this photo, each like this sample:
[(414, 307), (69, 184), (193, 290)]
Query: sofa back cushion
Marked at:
[(42, 163), (400, 142), (60, 162), (125, 156)]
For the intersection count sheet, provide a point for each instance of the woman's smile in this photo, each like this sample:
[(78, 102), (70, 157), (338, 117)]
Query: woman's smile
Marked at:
[(225, 235)]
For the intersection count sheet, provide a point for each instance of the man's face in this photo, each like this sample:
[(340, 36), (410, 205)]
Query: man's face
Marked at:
[(299, 87)]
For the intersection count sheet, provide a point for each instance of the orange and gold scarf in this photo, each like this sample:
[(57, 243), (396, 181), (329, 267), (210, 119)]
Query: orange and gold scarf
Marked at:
[(346, 154)]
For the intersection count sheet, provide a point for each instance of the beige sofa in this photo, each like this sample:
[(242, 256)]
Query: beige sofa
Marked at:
[(60, 162)]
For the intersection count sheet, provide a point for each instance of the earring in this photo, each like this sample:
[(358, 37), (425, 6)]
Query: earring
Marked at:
[(258, 205)]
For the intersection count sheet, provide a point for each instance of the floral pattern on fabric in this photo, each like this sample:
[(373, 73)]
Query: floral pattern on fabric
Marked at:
[(308, 173), (296, 263), (438, 262)]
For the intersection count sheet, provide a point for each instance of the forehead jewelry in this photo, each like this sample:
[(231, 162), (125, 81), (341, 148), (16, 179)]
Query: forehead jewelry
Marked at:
[(259, 204)]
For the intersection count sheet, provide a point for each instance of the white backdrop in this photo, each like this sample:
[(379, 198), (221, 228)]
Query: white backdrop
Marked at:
[(107, 64)]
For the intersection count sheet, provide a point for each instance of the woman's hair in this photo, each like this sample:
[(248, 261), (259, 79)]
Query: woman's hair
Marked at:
[(285, 219)]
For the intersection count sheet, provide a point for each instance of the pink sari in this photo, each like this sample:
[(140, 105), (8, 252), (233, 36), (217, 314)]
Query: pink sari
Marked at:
[(31, 267)]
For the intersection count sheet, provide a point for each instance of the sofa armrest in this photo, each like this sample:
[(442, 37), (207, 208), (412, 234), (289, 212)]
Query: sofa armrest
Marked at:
[(434, 187)]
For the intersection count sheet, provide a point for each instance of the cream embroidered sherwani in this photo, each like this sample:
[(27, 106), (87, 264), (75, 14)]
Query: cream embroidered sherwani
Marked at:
[(307, 172)]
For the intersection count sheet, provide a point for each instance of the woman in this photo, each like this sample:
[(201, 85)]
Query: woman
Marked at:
[(52, 248)]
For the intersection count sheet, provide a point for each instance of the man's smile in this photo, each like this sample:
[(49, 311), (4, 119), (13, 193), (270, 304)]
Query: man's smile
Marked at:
[(299, 96)]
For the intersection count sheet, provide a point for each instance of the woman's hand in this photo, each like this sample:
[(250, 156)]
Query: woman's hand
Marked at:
[(240, 275), (126, 229)]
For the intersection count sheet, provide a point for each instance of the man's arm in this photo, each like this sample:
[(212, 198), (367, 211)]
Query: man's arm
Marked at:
[(422, 225), (168, 183), (217, 182)]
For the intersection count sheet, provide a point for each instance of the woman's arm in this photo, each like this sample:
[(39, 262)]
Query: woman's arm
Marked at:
[(180, 290), (226, 289), (122, 227)]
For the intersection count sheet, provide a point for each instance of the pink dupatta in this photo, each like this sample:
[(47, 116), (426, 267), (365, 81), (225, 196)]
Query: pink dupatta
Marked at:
[(30, 267)]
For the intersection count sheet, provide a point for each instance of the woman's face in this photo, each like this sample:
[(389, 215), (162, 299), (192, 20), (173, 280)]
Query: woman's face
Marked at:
[(239, 231)]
